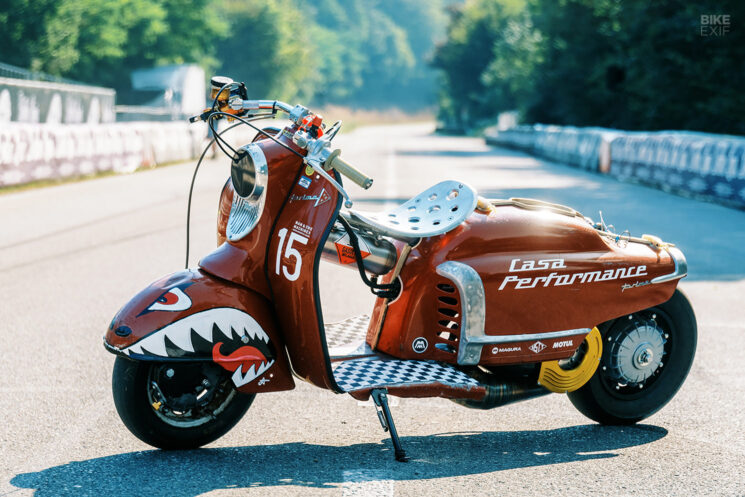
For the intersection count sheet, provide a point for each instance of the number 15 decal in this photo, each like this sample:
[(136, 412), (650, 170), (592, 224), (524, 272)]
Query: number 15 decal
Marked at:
[(290, 253)]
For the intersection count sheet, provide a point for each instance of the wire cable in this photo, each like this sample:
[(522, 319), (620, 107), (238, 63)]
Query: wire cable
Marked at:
[(196, 170)]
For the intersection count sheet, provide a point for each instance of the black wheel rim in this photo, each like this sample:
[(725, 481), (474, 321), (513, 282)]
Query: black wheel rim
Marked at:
[(185, 395), (618, 387)]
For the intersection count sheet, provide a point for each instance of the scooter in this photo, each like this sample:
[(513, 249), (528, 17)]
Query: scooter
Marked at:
[(484, 302)]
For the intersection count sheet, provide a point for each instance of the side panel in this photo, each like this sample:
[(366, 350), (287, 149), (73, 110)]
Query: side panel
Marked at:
[(292, 267), (193, 316), (541, 271)]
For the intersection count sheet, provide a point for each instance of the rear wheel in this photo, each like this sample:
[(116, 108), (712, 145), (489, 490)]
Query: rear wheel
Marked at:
[(176, 405), (646, 357)]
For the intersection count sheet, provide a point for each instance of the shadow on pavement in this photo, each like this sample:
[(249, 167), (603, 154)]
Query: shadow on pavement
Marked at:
[(308, 465)]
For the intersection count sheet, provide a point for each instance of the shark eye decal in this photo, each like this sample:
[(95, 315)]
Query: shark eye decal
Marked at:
[(173, 300)]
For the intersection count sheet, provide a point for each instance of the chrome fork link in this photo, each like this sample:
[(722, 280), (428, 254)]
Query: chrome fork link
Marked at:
[(380, 398)]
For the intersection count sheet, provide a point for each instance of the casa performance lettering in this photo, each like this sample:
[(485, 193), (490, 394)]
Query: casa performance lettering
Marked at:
[(556, 279)]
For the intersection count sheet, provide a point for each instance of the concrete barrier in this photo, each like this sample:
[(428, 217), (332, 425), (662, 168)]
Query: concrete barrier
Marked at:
[(32, 152), (702, 165), (587, 148)]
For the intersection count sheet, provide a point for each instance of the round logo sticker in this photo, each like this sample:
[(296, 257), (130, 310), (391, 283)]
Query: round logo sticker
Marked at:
[(419, 345)]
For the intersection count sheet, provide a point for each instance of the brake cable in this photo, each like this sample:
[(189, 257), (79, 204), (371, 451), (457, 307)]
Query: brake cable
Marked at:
[(382, 290)]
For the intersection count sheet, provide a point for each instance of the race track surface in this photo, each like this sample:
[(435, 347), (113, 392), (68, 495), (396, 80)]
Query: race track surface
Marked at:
[(71, 255)]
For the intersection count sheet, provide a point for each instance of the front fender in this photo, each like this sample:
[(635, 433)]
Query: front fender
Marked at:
[(193, 316)]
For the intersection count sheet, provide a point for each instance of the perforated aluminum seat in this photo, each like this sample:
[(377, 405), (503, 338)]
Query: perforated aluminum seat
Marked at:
[(435, 211)]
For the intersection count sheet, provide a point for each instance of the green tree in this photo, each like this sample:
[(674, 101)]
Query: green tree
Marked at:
[(268, 47), (472, 34)]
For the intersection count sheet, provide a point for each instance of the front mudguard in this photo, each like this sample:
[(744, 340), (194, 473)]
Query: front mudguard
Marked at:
[(193, 316)]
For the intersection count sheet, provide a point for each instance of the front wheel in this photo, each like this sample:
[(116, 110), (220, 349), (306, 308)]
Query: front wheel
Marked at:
[(176, 405), (646, 357)]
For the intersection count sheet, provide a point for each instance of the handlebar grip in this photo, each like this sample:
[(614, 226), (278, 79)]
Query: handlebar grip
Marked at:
[(348, 170)]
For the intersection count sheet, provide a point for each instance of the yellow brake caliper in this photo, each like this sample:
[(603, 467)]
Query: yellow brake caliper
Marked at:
[(559, 380)]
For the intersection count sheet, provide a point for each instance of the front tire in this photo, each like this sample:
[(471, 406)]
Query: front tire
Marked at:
[(646, 358), (176, 405)]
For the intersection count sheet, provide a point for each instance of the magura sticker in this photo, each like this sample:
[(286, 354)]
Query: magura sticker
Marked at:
[(172, 300), (304, 181), (346, 252), (319, 199), (231, 337), (419, 345), (497, 350), (537, 347), (636, 284), (555, 279)]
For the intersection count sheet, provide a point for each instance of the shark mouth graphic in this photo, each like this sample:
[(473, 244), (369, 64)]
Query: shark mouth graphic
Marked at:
[(230, 337)]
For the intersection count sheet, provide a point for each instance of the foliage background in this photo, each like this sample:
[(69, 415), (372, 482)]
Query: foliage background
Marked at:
[(370, 53), (635, 65), (632, 64)]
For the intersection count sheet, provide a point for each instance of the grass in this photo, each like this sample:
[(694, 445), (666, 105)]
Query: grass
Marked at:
[(355, 118)]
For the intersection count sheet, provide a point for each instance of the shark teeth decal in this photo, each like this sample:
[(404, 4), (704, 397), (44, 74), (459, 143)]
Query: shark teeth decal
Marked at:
[(242, 379), (231, 337)]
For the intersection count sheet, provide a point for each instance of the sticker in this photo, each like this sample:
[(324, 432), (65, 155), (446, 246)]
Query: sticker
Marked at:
[(555, 279), (563, 344), (304, 182), (172, 300), (309, 171), (537, 347), (290, 253), (321, 198), (537, 265), (497, 350), (231, 337), (346, 251), (419, 345), (302, 228), (637, 284)]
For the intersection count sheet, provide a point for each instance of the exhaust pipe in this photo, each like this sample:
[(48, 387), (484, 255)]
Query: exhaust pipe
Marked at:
[(500, 393)]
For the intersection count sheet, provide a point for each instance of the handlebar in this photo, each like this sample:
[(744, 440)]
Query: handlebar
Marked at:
[(348, 170), (233, 102), (263, 104)]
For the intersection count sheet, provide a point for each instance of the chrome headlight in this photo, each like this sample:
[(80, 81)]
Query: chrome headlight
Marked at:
[(249, 174)]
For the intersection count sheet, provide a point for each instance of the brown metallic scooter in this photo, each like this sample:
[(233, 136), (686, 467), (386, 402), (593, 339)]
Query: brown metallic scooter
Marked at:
[(484, 302)]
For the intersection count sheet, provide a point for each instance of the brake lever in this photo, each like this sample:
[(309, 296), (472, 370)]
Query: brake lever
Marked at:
[(317, 168)]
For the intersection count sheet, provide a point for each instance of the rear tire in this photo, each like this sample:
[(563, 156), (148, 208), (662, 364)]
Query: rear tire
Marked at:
[(611, 396), (196, 402)]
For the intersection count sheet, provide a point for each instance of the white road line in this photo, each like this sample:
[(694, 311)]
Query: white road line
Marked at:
[(366, 482)]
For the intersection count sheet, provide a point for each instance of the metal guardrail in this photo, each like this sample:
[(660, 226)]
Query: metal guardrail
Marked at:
[(10, 71)]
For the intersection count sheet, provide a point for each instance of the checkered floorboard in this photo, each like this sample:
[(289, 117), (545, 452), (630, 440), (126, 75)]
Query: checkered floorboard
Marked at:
[(350, 330), (360, 374)]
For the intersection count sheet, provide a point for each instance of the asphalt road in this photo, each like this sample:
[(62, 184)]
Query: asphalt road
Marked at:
[(71, 255)]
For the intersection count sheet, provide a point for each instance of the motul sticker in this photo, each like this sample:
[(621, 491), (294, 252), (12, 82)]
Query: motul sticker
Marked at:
[(346, 252)]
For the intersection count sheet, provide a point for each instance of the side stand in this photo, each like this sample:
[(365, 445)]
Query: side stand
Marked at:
[(380, 397)]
